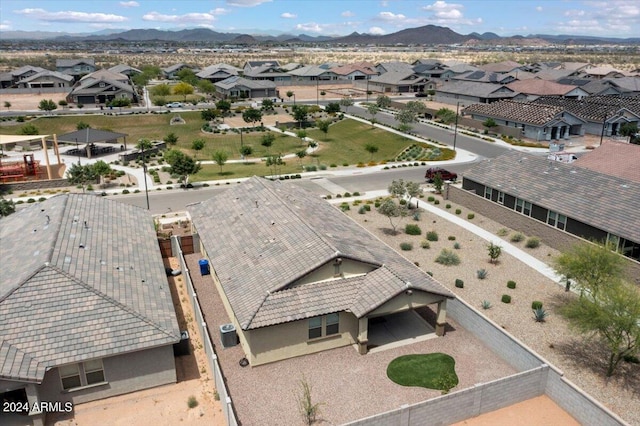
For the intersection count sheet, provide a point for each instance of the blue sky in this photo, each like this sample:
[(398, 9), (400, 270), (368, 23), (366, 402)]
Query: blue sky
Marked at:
[(616, 18)]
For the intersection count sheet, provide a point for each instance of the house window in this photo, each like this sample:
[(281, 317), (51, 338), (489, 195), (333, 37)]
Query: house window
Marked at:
[(82, 374), (333, 324), (315, 327), (487, 192), (500, 197), (523, 207), (557, 220)]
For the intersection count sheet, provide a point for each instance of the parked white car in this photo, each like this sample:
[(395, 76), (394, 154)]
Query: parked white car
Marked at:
[(174, 105)]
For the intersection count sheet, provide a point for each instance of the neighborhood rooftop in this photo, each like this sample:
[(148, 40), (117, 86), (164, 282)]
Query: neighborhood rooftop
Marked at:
[(518, 111)]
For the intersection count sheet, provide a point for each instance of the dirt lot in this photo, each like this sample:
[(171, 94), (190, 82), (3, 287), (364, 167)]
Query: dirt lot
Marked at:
[(29, 102)]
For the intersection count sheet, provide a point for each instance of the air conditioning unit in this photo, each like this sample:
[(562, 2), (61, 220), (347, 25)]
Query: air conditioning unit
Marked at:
[(228, 335)]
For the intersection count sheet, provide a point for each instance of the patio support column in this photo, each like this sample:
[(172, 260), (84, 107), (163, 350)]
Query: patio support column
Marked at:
[(56, 149), (441, 318), (363, 340), (36, 416), (46, 157)]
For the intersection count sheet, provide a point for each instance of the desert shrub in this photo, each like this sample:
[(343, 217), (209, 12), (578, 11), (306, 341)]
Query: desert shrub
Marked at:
[(447, 206), (125, 191), (432, 236), (517, 237), (502, 232), (485, 304), (459, 283), (451, 238), (471, 216), (448, 258), (506, 298), (356, 194), (412, 229), (456, 246), (344, 207), (403, 202), (347, 194), (362, 210), (511, 284), (482, 274), (540, 315), (406, 246), (536, 304), (458, 211), (192, 402), (431, 198), (416, 216), (425, 244), (436, 202), (533, 242)]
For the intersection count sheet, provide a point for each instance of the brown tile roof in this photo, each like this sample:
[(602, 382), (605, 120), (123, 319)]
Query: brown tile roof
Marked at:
[(593, 108), (79, 292), (504, 66), (262, 237), (618, 159), (536, 86), (521, 112)]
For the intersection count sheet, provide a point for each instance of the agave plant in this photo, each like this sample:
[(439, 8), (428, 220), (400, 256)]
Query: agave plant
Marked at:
[(485, 304), (539, 314), (482, 273)]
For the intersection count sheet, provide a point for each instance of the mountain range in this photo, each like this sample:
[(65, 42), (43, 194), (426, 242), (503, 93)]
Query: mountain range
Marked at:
[(426, 35)]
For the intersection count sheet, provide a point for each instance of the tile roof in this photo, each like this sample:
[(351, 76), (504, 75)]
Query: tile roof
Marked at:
[(79, 292), (235, 80), (536, 86), (262, 237), (593, 108), (619, 159), (504, 66), (478, 89), (67, 63), (521, 112), (47, 73), (605, 202), (399, 77)]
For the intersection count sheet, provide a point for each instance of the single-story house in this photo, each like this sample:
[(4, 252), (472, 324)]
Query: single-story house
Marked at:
[(218, 72), (613, 111), (101, 87), (86, 309), (171, 72), (576, 200), (473, 92), (620, 159), (501, 67), (312, 73), (76, 67), (46, 79), (383, 67), (400, 82), (534, 88), (297, 276), (537, 122), (239, 87), (355, 72)]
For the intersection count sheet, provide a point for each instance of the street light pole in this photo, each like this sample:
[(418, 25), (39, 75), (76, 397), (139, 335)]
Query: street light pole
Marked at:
[(317, 91), (455, 131)]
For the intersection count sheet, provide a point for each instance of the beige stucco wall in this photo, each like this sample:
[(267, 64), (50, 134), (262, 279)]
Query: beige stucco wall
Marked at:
[(348, 268), (404, 301), (288, 340)]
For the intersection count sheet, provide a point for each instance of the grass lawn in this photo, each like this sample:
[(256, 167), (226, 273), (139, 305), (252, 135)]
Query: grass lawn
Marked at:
[(426, 371)]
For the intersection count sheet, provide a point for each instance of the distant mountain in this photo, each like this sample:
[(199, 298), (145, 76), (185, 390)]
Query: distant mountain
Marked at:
[(426, 35)]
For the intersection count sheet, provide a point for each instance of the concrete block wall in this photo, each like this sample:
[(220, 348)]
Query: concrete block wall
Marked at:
[(510, 349), (551, 236), (35, 184)]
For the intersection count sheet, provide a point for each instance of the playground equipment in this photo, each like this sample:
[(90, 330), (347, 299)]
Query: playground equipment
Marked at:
[(19, 170)]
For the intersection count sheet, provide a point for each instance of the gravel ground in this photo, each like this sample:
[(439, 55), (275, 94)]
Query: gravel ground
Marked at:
[(349, 386), (583, 362)]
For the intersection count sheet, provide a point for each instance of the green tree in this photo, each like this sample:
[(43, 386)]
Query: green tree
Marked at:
[(82, 125), (209, 114), (197, 145), (446, 115), (416, 107), (405, 118), (29, 129), (188, 76), (373, 109), (383, 101), (246, 150), (371, 149), (181, 164), (301, 154), (267, 105), (324, 125), (224, 106), (101, 169), (629, 130), (300, 113), (6, 207), (413, 189), (346, 102), (183, 89), (290, 94), (301, 133), (401, 189), (438, 183), (220, 157), (613, 314), (267, 140), (207, 87), (393, 212), (489, 123), (144, 144), (47, 105), (7, 104), (81, 175), (251, 115), (161, 90), (149, 72), (332, 108), (494, 251), (274, 162), (119, 102), (171, 139)]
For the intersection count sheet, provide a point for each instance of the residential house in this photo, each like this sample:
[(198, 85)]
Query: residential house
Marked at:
[(619, 159), (601, 72), (297, 276), (429, 69), (472, 92), (534, 88), (101, 87), (501, 67), (171, 72), (19, 74), (603, 115), (76, 67), (218, 72), (399, 82), (354, 72), (576, 200), (85, 305), (242, 88), (488, 77), (46, 79), (537, 122), (397, 66), (312, 73), (265, 70), (125, 69)]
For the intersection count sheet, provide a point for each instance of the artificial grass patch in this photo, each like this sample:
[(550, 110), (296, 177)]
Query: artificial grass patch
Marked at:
[(432, 371)]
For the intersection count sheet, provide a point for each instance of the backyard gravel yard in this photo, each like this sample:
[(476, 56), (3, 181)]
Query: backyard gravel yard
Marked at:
[(584, 363)]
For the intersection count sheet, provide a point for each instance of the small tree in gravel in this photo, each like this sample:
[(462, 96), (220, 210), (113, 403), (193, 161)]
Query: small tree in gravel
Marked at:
[(392, 211), (494, 252), (308, 408)]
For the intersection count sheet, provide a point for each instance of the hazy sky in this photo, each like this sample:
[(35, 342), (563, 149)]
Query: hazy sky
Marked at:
[(616, 18)]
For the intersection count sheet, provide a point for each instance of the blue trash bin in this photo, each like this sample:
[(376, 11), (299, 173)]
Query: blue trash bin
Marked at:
[(204, 266)]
